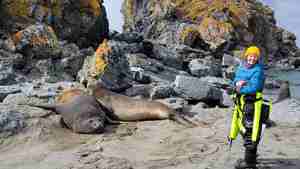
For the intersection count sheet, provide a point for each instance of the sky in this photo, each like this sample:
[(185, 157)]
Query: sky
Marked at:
[(287, 14), (113, 10)]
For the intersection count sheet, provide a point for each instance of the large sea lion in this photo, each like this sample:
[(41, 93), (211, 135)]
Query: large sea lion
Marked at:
[(125, 108), (80, 112)]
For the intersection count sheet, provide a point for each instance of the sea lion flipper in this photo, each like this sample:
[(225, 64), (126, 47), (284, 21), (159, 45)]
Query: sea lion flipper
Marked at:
[(63, 123), (52, 107), (109, 120), (180, 120), (183, 120)]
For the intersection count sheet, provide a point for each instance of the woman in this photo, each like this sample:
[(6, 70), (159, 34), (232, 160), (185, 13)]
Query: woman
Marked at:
[(248, 81)]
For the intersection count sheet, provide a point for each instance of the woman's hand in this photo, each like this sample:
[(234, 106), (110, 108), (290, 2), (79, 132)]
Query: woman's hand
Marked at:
[(240, 84)]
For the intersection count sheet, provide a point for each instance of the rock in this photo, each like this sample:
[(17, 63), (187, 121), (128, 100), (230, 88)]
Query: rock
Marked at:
[(128, 37), (11, 123), (139, 90), (72, 60), (205, 67), (10, 64), (7, 74), (216, 80), (39, 90), (161, 91), (288, 37), (229, 72), (228, 60), (108, 66), (7, 90), (271, 84), (139, 75), (157, 71), (12, 101), (208, 25), (168, 56), (38, 41), (86, 22), (82, 22), (175, 103), (190, 36), (8, 44), (192, 88), (296, 62)]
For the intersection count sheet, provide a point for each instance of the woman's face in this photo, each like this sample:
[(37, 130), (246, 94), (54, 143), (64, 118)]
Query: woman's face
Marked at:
[(252, 59)]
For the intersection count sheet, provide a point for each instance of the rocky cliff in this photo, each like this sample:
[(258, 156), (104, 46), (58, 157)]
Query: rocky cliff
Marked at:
[(221, 25)]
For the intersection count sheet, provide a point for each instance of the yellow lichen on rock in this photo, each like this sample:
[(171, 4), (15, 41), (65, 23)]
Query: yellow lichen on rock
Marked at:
[(45, 38), (128, 10), (194, 9), (189, 34), (18, 8), (99, 62), (17, 37), (93, 6), (216, 18), (214, 32), (24, 8)]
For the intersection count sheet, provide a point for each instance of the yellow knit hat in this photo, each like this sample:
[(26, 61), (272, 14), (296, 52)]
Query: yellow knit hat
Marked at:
[(252, 50)]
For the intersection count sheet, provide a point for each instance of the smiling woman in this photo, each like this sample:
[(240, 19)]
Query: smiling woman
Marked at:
[(114, 14), (287, 15)]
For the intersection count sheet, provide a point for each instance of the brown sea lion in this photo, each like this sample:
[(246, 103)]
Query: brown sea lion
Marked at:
[(80, 112), (68, 94), (125, 108)]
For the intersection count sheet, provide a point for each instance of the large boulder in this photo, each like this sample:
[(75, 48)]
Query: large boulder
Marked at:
[(157, 71), (38, 40), (108, 65), (192, 88), (205, 67)]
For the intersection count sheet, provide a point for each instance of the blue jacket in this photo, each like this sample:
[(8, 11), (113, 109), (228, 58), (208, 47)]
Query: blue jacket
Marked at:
[(254, 77)]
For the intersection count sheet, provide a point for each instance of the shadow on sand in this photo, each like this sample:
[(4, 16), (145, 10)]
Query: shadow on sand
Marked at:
[(278, 163)]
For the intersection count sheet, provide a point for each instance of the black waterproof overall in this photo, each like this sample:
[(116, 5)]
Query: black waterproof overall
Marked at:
[(250, 146), (248, 122)]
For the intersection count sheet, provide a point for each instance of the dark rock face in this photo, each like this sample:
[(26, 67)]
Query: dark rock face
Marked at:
[(34, 38), (84, 22)]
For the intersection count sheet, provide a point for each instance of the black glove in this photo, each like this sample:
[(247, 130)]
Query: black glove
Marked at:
[(230, 90)]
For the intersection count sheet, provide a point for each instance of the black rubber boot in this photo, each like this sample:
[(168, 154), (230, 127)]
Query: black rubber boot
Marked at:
[(241, 164)]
